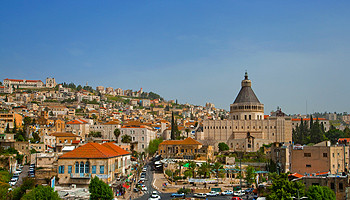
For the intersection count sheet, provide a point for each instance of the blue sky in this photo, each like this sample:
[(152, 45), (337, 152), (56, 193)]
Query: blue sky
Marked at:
[(193, 51)]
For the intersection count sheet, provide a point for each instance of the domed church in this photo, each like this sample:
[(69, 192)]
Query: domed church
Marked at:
[(247, 128)]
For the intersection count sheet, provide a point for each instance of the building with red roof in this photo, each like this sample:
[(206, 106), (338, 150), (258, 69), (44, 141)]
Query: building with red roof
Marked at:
[(80, 127), (106, 161), (22, 83)]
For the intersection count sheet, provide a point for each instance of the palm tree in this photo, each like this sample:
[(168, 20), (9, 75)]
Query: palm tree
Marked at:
[(126, 139), (117, 134), (216, 168), (191, 171), (180, 163), (204, 169)]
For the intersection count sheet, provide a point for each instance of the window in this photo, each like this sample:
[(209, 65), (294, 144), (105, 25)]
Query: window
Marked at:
[(76, 167), (307, 154), (341, 186), (143, 138), (87, 167), (81, 167), (182, 150), (143, 146), (308, 165), (332, 186), (325, 155), (102, 169), (69, 169), (93, 169), (61, 169)]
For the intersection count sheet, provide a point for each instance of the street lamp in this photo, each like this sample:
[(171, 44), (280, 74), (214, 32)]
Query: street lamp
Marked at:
[(299, 198)]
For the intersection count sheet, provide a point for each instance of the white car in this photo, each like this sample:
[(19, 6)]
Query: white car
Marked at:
[(200, 195), (154, 197), (144, 188), (227, 192), (239, 193), (212, 194), (12, 183)]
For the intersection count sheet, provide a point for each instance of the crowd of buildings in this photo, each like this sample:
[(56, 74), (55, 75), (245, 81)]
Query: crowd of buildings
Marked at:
[(64, 120)]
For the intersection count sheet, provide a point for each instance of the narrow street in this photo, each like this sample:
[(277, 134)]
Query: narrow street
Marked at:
[(24, 174)]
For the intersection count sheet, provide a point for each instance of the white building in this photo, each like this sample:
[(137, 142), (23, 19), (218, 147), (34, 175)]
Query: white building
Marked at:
[(141, 135), (106, 129), (23, 83)]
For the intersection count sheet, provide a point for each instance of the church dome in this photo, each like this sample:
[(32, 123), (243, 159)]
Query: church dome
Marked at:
[(246, 94)]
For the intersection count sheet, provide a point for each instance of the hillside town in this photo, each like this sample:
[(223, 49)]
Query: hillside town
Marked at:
[(142, 146)]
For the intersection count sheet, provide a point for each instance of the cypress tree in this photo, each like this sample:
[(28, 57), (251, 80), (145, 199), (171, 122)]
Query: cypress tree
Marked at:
[(14, 130), (7, 130), (172, 136)]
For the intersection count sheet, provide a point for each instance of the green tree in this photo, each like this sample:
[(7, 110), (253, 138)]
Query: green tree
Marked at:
[(7, 130), (95, 134), (41, 193), (14, 130), (223, 146), (100, 190), (187, 130), (153, 145), (126, 139), (116, 134), (217, 167), (174, 130), (316, 192), (18, 193), (204, 170), (250, 175), (283, 189), (191, 170)]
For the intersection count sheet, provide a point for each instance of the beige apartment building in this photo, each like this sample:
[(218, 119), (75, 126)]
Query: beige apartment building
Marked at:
[(322, 157), (106, 129), (248, 128)]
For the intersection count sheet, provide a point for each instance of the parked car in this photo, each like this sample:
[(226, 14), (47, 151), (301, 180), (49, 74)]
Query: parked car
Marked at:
[(15, 177), (249, 190), (227, 192), (236, 198), (12, 183), (200, 195), (239, 193), (154, 197), (136, 190), (31, 175), (144, 188), (177, 195), (212, 194)]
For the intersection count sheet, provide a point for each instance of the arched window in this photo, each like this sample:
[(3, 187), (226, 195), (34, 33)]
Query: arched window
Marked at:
[(87, 167), (82, 167), (76, 167)]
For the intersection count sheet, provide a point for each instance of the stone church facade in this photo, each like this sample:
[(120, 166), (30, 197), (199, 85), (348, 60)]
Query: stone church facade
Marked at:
[(247, 128)]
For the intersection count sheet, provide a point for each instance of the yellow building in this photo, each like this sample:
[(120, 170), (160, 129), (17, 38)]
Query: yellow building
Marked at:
[(10, 118), (106, 161), (186, 149)]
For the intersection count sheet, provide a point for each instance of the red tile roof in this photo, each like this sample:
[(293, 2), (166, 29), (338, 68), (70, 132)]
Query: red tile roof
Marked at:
[(116, 148), (91, 150), (296, 175), (77, 121), (308, 119), (64, 134)]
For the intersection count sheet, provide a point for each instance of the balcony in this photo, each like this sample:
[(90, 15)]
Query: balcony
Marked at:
[(80, 175)]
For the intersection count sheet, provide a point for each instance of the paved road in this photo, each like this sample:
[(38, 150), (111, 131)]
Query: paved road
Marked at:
[(148, 183), (24, 174)]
